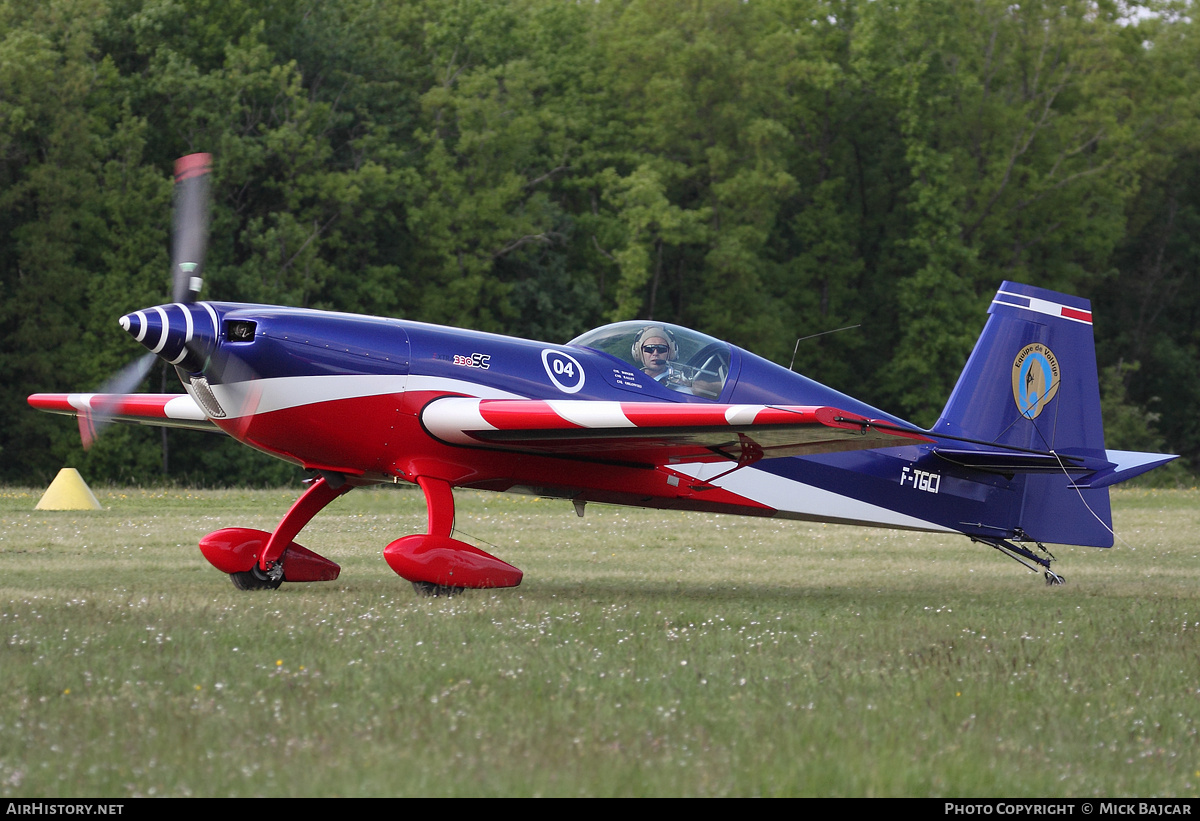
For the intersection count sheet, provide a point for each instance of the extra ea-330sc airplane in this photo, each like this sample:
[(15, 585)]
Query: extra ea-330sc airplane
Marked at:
[(635, 413)]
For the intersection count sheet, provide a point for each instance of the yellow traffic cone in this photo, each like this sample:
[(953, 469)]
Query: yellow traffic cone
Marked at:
[(68, 491)]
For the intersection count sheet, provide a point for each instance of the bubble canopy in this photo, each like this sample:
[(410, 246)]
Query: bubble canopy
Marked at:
[(695, 363)]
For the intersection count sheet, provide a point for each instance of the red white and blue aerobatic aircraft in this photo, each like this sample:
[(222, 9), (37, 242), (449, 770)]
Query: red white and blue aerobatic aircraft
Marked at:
[(636, 413)]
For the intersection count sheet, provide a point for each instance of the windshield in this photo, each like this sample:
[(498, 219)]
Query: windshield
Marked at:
[(680, 359)]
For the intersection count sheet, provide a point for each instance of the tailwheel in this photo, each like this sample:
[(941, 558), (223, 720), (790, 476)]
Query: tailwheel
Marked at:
[(255, 579), (1018, 553), (434, 591)]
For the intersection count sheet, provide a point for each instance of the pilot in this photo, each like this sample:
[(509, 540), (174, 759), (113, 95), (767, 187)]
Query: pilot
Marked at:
[(653, 350)]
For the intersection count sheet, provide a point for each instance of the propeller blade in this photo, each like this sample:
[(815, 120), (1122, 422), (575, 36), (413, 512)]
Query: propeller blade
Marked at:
[(189, 242), (92, 422), (192, 175)]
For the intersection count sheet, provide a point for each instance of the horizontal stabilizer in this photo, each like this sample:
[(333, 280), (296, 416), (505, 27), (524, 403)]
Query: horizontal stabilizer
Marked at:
[(1125, 465), (1089, 472), (1009, 463)]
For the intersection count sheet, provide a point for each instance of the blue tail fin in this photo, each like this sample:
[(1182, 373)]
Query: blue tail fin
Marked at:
[(1031, 384), (1031, 381)]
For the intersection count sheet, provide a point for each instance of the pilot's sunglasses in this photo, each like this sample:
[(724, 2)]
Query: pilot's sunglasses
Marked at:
[(654, 349)]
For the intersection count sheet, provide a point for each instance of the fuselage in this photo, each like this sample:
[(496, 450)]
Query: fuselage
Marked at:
[(344, 393)]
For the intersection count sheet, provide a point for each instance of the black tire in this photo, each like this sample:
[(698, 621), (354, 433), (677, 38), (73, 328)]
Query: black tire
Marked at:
[(249, 580), (436, 590)]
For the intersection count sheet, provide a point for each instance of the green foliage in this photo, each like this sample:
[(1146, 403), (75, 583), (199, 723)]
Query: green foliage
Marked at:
[(761, 171), (1127, 426), (1131, 426)]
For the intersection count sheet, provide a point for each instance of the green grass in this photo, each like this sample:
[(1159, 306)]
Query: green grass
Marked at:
[(645, 654)]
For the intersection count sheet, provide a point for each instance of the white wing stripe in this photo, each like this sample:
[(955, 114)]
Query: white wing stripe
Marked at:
[(448, 419), (743, 414), (184, 408), (591, 414)]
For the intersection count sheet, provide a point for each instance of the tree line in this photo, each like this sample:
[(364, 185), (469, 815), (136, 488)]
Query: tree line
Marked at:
[(760, 170)]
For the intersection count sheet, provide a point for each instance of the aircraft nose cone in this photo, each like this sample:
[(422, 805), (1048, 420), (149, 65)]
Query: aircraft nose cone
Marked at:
[(183, 335)]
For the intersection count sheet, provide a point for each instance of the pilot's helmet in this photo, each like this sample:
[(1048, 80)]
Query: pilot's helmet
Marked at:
[(649, 332)]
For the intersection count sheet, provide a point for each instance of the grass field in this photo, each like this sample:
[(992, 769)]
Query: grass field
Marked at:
[(645, 654)]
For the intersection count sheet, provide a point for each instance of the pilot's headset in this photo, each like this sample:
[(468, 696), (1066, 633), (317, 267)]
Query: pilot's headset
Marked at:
[(652, 331)]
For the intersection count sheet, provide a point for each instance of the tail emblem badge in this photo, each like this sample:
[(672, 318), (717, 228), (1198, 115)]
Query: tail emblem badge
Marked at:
[(1035, 379)]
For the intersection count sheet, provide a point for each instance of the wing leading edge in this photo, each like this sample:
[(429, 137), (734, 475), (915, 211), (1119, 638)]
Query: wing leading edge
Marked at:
[(654, 433), (173, 410)]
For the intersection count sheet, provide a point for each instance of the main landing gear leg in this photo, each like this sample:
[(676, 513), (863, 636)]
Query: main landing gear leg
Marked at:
[(436, 563), (255, 559)]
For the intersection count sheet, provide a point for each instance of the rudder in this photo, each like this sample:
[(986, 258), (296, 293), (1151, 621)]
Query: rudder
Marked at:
[(1031, 383)]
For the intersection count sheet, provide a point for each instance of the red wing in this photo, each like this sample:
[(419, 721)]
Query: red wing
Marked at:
[(654, 433), (175, 410)]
